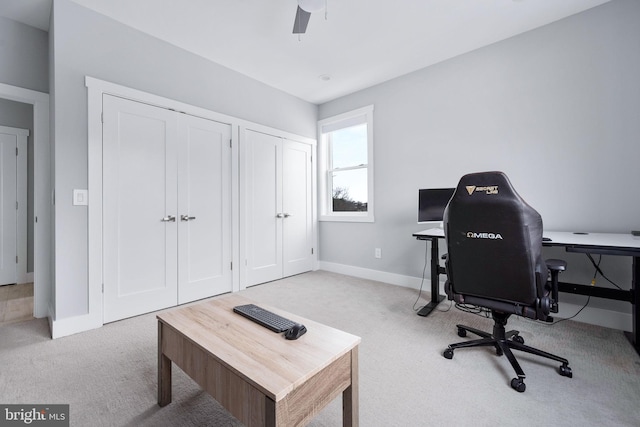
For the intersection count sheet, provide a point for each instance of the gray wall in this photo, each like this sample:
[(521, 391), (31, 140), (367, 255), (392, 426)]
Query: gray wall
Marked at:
[(87, 43), (23, 63), (556, 108), (23, 50), (20, 115)]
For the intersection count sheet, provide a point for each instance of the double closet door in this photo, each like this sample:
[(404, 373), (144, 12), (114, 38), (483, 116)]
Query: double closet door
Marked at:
[(276, 208), (166, 208)]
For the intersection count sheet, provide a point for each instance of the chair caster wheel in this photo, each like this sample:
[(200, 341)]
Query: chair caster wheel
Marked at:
[(462, 332), (565, 371), (448, 354), (518, 385), (518, 339)]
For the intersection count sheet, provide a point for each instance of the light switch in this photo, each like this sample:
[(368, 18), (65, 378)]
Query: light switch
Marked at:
[(80, 197)]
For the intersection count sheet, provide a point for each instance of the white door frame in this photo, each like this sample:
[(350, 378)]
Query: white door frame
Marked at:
[(43, 231), (95, 89)]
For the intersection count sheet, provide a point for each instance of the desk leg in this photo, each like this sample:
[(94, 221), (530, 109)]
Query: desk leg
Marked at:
[(635, 303), (164, 372), (350, 403), (436, 298)]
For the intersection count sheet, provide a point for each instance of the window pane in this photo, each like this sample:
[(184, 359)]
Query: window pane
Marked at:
[(349, 146), (349, 190)]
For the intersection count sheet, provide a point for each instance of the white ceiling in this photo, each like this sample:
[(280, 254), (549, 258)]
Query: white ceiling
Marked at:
[(360, 44)]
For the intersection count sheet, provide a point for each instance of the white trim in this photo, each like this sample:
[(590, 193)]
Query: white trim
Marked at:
[(73, 325), (591, 315), (323, 155), (377, 275), (596, 316), (43, 304), (22, 207), (94, 318)]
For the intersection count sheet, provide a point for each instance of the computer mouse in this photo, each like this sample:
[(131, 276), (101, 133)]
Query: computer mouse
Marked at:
[(295, 332)]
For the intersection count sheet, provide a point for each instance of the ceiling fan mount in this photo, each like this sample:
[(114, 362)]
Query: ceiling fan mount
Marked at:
[(303, 13)]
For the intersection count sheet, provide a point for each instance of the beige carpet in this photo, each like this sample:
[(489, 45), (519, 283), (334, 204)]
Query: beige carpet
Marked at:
[(108, 376)]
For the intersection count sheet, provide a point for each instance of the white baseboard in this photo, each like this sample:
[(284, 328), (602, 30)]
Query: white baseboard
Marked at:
[(591, 315), (73, 325), (380, 276)]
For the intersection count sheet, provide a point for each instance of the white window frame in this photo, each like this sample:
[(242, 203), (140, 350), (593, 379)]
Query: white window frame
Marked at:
[(359, 116)]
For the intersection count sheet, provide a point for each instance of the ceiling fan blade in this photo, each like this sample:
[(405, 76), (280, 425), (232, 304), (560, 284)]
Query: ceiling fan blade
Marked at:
[(301, 21)]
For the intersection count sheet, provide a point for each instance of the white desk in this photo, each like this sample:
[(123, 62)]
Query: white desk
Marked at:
[(596, 243), (597, 240)]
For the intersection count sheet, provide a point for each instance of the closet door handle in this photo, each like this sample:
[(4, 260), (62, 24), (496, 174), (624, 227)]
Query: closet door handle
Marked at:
[(187, 218), (169, 218), (280, 215), (286, 215)]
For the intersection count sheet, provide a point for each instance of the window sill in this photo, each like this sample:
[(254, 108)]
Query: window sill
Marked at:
[(346, 218)]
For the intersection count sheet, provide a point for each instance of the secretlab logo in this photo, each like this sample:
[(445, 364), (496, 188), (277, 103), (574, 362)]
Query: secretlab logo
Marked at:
[(490, 189), (490, 236)]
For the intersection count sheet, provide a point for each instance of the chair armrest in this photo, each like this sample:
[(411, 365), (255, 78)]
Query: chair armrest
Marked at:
[(556, 264)]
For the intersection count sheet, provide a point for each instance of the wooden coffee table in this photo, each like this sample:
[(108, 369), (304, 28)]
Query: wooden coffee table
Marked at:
[(261, 378)]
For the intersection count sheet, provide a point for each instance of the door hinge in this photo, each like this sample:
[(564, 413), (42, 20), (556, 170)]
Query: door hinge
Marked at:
[(102, 117), (16, 259), (103, 288), (230, 143), (17, 206), (311, 251), (232, 265), (16, 151)]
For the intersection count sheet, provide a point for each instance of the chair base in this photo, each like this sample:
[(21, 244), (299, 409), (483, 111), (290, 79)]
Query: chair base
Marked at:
[(504, 342)]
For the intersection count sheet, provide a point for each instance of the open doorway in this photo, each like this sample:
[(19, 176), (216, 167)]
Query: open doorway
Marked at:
[(16, 173), (30, 109), (16, 211)]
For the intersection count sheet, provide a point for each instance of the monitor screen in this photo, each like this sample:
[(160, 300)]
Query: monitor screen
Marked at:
[(431, 203)]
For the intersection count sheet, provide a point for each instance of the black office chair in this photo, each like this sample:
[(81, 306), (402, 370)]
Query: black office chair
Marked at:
[(494, 260)]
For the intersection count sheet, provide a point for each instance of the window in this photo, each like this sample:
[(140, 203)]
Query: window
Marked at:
[(346, 164)]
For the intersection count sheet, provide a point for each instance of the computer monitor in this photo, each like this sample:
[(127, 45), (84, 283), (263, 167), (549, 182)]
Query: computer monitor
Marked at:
[(432, 202)]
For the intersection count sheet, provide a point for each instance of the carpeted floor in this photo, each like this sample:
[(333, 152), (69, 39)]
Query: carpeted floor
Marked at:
[(108, 376)]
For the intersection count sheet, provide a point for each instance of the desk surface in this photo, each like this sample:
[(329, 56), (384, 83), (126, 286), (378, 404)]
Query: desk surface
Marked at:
[(263, 358), (567, 238)]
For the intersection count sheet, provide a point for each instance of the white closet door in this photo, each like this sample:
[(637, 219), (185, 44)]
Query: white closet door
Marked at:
[(297, 205), (8, 212), (204, 209), (139, 208), (262, 208)]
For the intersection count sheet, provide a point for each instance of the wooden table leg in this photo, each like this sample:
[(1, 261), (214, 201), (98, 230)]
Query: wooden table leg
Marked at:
[(350, 397), (269, 412), (164, 372)]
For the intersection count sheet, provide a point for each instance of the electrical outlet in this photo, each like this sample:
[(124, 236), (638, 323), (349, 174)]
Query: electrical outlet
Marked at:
[(378, 253)]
